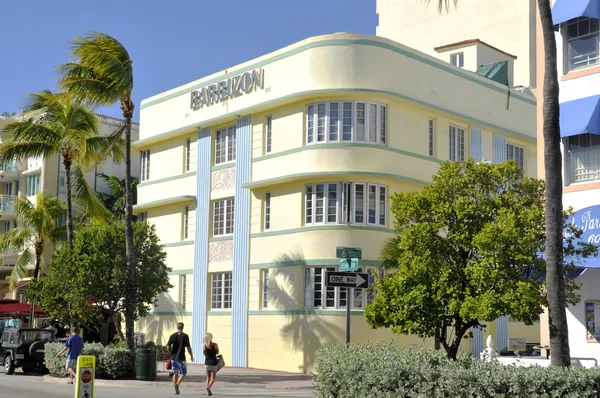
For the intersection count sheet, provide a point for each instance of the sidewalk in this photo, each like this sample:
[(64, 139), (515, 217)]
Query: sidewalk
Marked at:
[(226, 378)]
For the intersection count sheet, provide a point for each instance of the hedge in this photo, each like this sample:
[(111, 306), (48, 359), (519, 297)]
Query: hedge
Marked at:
[(111, 362), (383, 370)]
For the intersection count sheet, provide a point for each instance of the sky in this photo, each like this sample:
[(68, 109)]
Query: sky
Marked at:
[(171, 42)]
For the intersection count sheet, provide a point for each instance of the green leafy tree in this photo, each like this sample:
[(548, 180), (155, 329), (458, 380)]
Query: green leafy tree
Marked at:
[(467, 252), (58, 125), (7, 114), (556, 291), (115, 200), (37, 224), (91, 277), (102, 74)]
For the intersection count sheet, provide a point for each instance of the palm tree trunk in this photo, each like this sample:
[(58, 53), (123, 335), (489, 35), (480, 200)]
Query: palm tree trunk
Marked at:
[(129, 245), (70, 234), (38, 263), (557, 316)]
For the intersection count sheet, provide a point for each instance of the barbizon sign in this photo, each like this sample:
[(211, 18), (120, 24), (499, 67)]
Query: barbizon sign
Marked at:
[(588, 221), (225, 89)]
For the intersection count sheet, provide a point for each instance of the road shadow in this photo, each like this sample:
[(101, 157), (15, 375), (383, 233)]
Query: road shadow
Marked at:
[(304, 331)]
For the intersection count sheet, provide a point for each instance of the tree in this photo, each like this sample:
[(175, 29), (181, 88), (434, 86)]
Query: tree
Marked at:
[(37, 223), (56, 124), (102, 74), (115, 200), (467, 252), (7, 114), (91, 277)]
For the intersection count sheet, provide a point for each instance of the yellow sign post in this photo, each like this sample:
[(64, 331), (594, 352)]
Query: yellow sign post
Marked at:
[(86, 372)]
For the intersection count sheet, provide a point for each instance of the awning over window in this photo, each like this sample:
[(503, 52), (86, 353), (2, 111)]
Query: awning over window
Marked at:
[(580, 116), (565, 10)]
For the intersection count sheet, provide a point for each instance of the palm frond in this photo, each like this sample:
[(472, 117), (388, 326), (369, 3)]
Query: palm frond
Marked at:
[(15, 238), (19, 270), (84, 194), (100, 148), (16, 150), (117, 187), (390, 253)]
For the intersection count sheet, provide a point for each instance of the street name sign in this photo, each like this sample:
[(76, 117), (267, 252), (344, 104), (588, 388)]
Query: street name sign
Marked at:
[(346, 279), (349, 264), (348, 252)]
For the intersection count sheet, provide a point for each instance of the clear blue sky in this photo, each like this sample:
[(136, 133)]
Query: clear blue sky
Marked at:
[(171, 42)]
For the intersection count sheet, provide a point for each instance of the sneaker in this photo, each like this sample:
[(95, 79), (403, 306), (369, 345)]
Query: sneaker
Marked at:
[(208, 392), (176, 390)]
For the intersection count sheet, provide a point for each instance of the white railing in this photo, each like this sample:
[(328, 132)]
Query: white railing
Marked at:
[(584, 164)]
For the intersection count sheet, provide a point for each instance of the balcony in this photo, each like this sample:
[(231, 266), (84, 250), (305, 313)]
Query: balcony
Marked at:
[(7, 205), (584, 165)]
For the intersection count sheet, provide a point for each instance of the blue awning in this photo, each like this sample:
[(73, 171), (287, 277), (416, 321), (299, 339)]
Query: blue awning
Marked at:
[(580, 116), (588, 221), (565, 10)]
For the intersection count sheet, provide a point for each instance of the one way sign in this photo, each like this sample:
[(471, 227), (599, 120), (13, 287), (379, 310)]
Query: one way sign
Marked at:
[(346, 279)]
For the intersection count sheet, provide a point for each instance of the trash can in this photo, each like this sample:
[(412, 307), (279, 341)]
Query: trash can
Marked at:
[(146, 363)]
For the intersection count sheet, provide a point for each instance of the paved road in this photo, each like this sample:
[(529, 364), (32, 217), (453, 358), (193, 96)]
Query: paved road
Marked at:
[(20, 385)]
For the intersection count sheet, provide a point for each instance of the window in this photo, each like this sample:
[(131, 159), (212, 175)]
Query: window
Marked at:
[(186, 222), (265, 288), (590, 320), (583, 158), (268, 135), (142, 217), (223, 217), (356, 121), (145, 165), (225, 145), (62, 220), (458, 59), (317, 295), (345, 203), (267, 210), (431, 136), (188, 153), (5, 227), (515, 153), (62, 186), (33, 184), (457, 144), (583, 38), (220, 294), (183, 284)]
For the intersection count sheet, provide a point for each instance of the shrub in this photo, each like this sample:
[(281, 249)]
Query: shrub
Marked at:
[(55, 365), (382, 370), (111, 363)]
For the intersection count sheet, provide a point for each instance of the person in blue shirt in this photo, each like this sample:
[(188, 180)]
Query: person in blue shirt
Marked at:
[(74, 345)]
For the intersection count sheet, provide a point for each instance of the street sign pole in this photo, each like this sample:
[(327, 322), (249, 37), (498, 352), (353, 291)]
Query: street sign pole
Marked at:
[(347, 316)]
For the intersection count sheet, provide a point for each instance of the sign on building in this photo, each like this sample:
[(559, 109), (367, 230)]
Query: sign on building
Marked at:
[(231, 88)]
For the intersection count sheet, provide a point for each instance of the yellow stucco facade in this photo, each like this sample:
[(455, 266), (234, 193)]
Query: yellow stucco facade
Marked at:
[(249, 239)]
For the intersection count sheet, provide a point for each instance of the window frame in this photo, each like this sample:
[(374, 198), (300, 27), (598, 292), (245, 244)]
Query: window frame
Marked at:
[(459, 145), (339, 295), (33, 183), (459, 59), (223, 303), (227, 203), (264, 294), (573, 154), (186, 222), (267, 211), (144, 165), (268, 134), (336, 127), (510, 153), (229, 145), (431, 137), (183, 290), (142, 216), (188, 154), (568, 65)]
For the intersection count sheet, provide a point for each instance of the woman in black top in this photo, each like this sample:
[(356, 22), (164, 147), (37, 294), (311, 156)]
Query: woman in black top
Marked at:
[(211, 350)]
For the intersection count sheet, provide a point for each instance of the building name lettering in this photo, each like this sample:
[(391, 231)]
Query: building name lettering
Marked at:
[(589, 226), (236, 86)]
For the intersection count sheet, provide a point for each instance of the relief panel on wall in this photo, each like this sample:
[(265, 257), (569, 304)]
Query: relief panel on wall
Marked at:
[(222, 179), (220, 251)]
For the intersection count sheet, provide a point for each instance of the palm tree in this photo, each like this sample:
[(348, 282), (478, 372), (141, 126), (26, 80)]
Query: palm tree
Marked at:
[(115, 200), (102, 74), (56, 124), (557, 314), (37, 223)]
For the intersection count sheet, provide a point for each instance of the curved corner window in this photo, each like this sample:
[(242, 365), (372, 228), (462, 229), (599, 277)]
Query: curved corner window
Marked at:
[(345, 203), (346, 121)]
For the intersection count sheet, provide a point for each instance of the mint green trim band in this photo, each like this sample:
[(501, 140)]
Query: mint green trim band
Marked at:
[(176, 244), (223, 166), (337, 145), (218, 313), (168, 201), (188, 271), (311, 263), (340, 42), (340, 312), (208, 122), (321, 228), (220, 238), (271, 181), (175, 177)]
